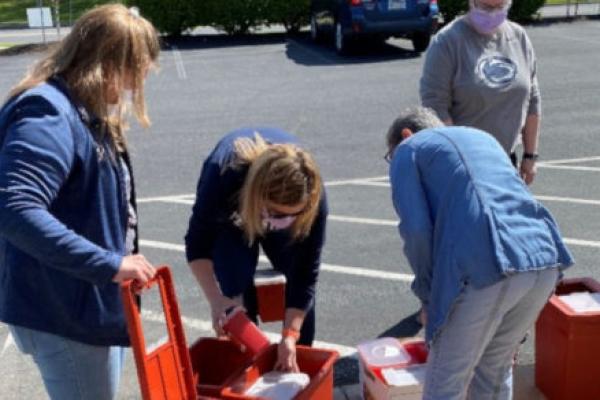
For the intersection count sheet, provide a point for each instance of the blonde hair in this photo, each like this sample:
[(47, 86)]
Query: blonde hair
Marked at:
[(107, 47), (281, 174)]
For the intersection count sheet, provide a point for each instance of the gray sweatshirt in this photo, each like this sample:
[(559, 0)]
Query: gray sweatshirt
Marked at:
[(488, 82)]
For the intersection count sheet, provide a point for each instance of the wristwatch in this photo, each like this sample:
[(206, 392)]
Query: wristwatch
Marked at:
[(531, 156)]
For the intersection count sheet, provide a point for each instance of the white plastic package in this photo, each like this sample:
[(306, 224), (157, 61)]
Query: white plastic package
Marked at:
[(278, 385), (582, 302)]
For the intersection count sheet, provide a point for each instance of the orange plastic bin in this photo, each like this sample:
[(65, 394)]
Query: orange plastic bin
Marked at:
[(567, 347), (171, 371), (316, 363), (214, 363)]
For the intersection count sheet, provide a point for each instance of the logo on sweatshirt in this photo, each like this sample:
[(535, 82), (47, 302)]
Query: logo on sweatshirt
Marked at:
[(496, 71)]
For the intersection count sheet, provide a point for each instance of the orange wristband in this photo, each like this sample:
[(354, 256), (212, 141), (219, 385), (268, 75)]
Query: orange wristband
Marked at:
[(289, 332)]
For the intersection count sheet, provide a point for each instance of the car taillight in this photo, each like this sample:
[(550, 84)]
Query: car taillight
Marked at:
[(355, 2)]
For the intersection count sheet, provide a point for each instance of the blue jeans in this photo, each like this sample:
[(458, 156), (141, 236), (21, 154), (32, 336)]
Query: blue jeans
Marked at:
[(472, 355), (72, 370)]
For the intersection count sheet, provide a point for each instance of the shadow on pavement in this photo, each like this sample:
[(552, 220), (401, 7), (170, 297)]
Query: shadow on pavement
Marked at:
[(299, 48), (198, 42), (302, 50), (26, 48), (408, 327)]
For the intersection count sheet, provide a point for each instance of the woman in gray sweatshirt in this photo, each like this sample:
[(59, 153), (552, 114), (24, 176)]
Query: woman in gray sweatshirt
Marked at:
[(480, 71)]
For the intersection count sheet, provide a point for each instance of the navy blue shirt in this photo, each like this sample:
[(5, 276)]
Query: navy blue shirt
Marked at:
[(217, 202), (63, 220)]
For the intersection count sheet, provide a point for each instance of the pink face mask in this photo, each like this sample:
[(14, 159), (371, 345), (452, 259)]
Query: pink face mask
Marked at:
[(486, 22), (276, 223)]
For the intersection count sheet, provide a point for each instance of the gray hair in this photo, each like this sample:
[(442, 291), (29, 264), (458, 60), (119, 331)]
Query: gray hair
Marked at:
[(507, 4), (416, 119)]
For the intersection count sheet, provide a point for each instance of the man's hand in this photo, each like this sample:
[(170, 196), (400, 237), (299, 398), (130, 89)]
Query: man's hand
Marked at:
[(135, 267), (528, 170), (286, 356)]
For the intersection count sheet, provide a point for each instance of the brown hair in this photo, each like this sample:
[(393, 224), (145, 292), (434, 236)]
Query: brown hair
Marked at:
[(109, 47), (281, 174)]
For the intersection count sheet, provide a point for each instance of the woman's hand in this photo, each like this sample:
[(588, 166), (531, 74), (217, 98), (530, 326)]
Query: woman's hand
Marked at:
[(286, 355), (135, 267), (218, 306)]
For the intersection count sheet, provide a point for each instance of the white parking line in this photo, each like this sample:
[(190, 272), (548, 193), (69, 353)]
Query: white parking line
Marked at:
[(355, 181), (340, 269), (572, 160), (368, 221), (205, 326), (181, 72), (569, 167), (568, 200), (582, 243)]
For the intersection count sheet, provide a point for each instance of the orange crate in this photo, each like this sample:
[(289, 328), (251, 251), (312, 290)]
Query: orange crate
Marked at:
[(171, 371), (567, 347), (215, 362), (316, 363), (165, 372)]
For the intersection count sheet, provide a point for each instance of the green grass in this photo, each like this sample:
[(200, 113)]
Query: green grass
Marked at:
[(14, 11), (6, 45)]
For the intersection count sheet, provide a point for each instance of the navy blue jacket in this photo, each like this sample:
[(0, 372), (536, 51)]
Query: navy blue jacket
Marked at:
[(63, 216), (217, 201)]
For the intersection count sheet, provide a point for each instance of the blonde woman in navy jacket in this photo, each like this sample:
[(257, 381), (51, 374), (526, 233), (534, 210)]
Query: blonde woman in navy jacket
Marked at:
[(259, 188), (68, 226)]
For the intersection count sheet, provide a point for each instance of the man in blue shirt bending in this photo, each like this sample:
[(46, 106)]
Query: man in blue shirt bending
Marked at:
[(486, 255)]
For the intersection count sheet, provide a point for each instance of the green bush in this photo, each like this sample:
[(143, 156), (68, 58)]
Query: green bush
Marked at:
[(525, 10), (451, 9), (292, 14), (169, 16), (521, 10), (235, 16)]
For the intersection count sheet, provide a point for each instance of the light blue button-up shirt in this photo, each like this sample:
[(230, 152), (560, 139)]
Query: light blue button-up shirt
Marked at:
[(466, 217)]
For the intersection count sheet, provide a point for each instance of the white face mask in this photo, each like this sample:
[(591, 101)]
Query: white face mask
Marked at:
[(126, 100), (276, 223)]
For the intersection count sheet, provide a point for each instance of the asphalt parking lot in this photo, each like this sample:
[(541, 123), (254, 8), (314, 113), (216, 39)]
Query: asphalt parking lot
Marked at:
[(341, 108)]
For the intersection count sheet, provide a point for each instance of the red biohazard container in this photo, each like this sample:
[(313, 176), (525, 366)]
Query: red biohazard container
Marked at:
[(244, 332), (567, 346), (171, 371), (270, 295), (316, 363)]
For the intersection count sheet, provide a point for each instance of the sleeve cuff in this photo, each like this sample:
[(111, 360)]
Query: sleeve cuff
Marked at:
[(107, 272)]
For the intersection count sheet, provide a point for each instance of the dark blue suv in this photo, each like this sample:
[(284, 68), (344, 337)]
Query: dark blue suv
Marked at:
[(348, 20)]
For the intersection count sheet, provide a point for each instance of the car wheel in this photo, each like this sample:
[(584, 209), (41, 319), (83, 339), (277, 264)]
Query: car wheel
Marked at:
[(315, 35), (420, 41), (341, 41)]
